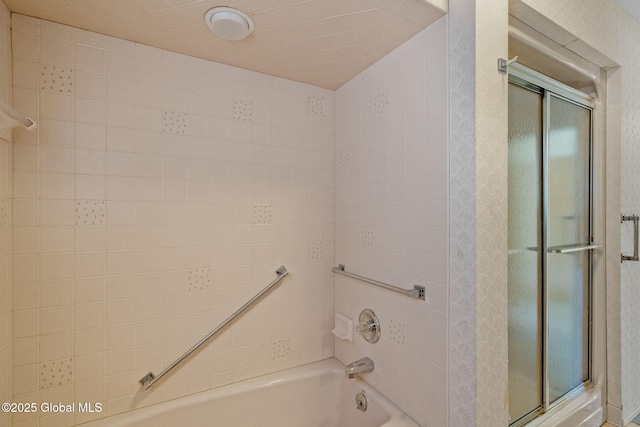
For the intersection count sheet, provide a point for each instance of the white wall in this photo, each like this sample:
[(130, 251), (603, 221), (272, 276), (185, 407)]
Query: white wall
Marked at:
[(159, 194), (6, 187), (391, 219)]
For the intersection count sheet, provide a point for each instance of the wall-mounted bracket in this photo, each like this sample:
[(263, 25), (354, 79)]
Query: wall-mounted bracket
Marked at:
[(503, 64)]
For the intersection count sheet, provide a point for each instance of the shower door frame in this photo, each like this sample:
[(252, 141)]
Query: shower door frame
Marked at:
[(593, 387)]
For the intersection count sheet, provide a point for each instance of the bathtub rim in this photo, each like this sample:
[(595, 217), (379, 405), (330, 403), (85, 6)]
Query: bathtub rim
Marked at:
[(310, 370)]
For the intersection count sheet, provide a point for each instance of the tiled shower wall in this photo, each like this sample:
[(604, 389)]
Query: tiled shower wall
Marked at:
[(158, 195), (6, 183), (391, 219)]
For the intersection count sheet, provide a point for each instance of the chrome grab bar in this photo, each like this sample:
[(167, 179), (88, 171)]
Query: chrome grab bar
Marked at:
[(572, 248), (150, 379), (418, 292), (635, 257)]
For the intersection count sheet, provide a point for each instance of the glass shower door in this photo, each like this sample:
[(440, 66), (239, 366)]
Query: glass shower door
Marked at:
[(524, 253), (568, 234), (549, 248)]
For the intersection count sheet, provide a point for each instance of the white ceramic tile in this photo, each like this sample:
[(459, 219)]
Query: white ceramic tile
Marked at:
[(150, 119), (89, 58), (89, 290), (89, 162), (57, 79), (120, 115), (121, 164), (88, 38), (25, 296), (56, 346), (55, 319), (90, 213), (26, 74), (56, 132), (56, 52), (148, 162), (26, 24), (119, 65), (384, 105), (89, 265), (90, 110), (56, 31), (89, 341), (56, 159), (56, 239)]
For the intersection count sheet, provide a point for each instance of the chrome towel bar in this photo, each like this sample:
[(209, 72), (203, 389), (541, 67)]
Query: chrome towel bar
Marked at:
[(566, 249), (418, 292), (150, 379)]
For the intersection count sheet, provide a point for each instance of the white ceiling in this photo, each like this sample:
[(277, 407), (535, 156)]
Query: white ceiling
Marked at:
[(320, 42)]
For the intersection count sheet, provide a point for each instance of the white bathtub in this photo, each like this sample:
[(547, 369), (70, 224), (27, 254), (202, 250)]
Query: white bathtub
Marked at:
[(315, 395)]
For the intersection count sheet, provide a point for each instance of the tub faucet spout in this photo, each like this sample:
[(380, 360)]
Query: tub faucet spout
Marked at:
[(360, 366)]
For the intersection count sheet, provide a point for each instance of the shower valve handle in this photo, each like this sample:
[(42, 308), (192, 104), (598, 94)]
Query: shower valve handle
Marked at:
[(366, 327)]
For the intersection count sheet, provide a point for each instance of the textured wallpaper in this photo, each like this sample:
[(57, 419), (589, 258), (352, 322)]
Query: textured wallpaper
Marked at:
[(462, 293), (478, 329)]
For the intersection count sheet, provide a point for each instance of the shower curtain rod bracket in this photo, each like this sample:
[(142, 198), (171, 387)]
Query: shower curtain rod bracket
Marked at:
[(503, 64)]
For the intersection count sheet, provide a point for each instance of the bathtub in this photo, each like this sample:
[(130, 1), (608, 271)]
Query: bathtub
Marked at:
[(314, 395)]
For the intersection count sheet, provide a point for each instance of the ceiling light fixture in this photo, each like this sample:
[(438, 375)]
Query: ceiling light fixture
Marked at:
[(229, 23)]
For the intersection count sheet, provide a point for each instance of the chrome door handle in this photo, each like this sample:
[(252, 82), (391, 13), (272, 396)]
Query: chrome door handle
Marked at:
[(634, 257), (565, 249)]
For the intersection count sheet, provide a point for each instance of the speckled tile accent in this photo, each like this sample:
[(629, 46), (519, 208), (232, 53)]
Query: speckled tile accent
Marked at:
[(199, 279), (367, 235), (56, 373), (242, 111), (55, 78), (89, 212), (381, 103), (397, 331), (315, 105), (281, 348), (174, 122), (262, 214), (343, 159), (315, 250)]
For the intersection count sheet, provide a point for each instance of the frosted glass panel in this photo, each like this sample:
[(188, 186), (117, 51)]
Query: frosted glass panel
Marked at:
[(568, 223), (525, 328)]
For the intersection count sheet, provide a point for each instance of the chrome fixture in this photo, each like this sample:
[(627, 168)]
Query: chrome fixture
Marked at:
[(503, 64), (635, 256), (150, 379), (369, 326), (566, 249), (10, 118), (360, 366), (361, 402), (417, 292)]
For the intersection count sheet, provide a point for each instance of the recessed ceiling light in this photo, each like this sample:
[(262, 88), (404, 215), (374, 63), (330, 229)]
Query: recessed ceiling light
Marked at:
[(229, 23)]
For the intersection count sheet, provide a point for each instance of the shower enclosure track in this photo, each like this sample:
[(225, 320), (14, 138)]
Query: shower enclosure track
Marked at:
[(418, 292), (150, 379)]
